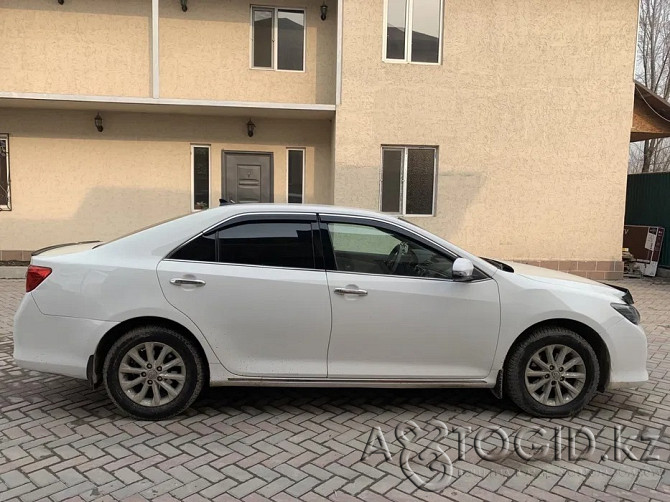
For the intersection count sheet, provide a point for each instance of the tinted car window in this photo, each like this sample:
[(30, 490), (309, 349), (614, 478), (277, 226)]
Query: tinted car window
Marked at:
[(202, 248), (371, 250), (274, 244)]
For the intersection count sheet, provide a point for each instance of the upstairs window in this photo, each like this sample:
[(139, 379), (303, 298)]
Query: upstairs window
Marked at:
[(408, 180), (413, 31), (278, 39), (5, 200)]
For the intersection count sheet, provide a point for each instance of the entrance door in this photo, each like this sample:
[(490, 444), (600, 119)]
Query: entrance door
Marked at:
[(246, 177)]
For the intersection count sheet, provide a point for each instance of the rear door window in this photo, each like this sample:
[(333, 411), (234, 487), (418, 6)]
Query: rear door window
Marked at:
[(268, 243)]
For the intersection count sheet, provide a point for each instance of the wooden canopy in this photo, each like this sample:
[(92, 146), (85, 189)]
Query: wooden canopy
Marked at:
[(651, 115)]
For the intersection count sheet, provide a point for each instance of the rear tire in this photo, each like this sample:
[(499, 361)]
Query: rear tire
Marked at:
[(153, 373), (554, 372)]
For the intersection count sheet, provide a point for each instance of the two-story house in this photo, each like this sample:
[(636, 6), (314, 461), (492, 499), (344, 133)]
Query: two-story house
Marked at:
[(502, 125)]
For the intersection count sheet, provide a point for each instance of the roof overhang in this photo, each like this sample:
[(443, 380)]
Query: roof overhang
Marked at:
[(166, 105), (651, 115)]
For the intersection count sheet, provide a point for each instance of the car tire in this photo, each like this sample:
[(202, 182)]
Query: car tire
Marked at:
[(165, 366), (564, 392)]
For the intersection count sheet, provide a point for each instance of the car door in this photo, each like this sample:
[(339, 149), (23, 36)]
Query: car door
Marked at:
[(396, 311), (258, 292)]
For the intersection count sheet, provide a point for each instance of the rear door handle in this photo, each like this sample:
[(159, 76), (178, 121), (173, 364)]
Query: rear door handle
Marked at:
[(192, 282), (350, 291)]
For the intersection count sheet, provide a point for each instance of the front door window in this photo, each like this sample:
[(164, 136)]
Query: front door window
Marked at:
[(371, 250)]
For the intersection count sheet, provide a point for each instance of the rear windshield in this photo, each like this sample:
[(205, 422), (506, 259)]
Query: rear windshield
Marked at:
[(142, 229)]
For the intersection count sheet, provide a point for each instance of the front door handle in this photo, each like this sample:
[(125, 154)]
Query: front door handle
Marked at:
[(350, 291), (192, 282)]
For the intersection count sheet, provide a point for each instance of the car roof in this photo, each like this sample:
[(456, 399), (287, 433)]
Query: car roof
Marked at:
[(231, 209)]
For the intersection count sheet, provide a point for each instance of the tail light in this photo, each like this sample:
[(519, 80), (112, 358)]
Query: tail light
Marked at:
[(35, 276)]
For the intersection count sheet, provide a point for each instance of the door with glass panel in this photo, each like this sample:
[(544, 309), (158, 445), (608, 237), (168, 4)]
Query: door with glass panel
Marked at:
[(258, 292), (396, 311)]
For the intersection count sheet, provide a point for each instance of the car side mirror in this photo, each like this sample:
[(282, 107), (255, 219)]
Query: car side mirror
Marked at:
[(462, 270)]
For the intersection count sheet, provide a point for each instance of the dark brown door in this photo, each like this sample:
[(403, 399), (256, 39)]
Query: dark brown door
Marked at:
[(246, 177)]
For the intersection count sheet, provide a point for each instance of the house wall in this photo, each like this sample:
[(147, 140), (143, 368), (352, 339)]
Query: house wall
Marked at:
[(205, 54), (95, 47), (530, 109), (71, 183), (84, 47)]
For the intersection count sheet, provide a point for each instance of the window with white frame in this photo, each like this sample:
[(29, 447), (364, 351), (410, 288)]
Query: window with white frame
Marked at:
[(200, 173), (5, 199), (408, 180), (413, 31), (296, 176), (278, 38)]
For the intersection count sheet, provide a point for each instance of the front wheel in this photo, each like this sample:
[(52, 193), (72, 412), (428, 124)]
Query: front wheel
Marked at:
[(552, 373), (153, 373)]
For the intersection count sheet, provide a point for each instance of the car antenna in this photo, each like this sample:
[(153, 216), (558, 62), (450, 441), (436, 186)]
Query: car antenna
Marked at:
[(223, 202)]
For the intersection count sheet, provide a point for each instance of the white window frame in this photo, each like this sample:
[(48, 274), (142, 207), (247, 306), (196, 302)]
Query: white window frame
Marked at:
[(8, 206), (209, 176), (304, 160), (403, 181), (275, 31), (408, 36)]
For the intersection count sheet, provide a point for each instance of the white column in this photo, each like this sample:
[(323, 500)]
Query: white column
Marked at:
[(338, 77), (155, 65)]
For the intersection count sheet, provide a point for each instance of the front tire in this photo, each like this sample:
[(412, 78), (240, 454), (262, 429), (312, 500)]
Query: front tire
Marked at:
[(153, 373), (554, 372)]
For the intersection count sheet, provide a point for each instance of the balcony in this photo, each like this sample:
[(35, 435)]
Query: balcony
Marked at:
[(139, 54)]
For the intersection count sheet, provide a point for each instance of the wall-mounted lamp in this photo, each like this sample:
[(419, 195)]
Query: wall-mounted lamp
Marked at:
[(98, 122), (184, 6), (324, 11), (250, 128), (61, 2)]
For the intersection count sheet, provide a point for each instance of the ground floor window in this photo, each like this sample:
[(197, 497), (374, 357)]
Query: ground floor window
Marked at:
[(200, 172), (408, 180), (5, 200), (296, 175)]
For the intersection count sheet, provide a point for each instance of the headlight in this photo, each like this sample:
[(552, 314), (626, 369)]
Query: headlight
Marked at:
[(628, 311)]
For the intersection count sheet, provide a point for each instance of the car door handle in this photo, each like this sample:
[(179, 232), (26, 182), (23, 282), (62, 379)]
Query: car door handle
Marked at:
[(350, 291), (191, 282)]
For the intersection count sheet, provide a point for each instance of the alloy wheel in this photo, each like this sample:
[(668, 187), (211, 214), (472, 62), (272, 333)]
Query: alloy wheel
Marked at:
[(152, 374), (555, 375)]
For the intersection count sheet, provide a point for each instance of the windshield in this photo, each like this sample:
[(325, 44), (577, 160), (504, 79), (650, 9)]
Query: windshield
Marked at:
[(496, 263)]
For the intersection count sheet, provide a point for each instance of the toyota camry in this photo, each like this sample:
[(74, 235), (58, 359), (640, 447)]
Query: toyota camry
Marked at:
[(299, 295)]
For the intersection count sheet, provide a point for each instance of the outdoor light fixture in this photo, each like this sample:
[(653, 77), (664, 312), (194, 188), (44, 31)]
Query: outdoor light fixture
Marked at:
[(98, 122), (61, 2), (184, 7), (324, 11), (250, 128)]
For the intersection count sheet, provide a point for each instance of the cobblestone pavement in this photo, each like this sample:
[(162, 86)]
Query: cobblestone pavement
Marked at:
[(61, 440)]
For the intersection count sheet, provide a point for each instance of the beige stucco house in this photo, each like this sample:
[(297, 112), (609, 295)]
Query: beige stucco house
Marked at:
[(502, 125)]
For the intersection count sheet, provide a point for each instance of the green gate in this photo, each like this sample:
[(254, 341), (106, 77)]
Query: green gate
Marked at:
[(648, 203)]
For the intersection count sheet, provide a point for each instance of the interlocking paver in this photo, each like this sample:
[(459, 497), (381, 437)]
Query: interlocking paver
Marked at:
[(60, 440)]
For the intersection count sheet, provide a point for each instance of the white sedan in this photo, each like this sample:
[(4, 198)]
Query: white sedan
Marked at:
[(299, 295)]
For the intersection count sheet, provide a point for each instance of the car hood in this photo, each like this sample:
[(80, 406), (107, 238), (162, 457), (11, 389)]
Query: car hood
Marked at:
[(555, 277)]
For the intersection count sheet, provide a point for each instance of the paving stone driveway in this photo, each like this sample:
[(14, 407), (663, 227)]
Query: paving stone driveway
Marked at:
[(61, 440)]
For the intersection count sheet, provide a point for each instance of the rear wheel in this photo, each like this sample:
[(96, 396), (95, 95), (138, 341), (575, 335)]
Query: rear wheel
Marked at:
[(153, 373), (552, 373)]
